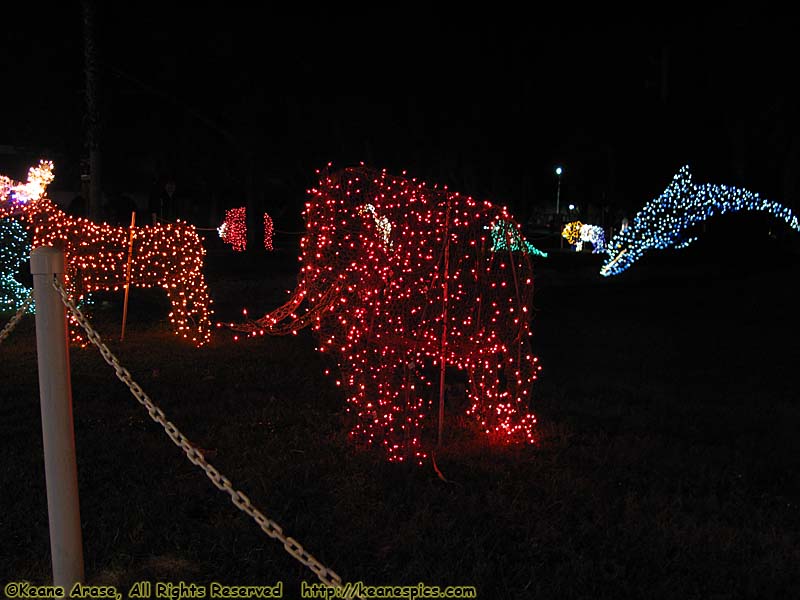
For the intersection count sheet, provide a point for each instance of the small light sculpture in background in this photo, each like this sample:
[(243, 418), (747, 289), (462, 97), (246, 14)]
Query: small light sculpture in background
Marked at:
[(269, 231), (233, 230), (577, 233)]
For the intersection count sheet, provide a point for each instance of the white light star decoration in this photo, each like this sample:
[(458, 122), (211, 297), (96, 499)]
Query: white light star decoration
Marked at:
[(666, 221)]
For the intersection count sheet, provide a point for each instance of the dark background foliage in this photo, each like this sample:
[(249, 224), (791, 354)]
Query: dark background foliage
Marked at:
[(231, 102)]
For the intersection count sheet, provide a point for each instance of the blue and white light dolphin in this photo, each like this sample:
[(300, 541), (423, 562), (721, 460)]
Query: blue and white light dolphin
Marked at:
[(665, 221)]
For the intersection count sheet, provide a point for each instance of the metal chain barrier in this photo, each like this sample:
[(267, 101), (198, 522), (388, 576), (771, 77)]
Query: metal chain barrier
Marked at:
[(15, 319), (240, 500)]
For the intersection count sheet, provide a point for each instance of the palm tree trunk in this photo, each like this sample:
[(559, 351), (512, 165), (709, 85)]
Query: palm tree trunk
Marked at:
[(92, 115)]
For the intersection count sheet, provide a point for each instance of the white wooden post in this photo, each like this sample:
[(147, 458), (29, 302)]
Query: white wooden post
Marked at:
[(55, 394)]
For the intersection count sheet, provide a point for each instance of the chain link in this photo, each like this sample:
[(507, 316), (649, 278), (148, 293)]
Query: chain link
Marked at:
[(15, 319), (239, 499)]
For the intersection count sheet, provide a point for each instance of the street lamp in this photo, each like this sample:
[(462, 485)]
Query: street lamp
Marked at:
[(559, 170)]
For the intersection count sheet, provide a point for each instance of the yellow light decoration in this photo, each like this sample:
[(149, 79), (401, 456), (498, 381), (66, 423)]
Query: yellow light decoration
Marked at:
[(572, 232)]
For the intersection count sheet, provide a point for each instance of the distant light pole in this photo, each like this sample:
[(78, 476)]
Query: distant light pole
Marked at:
[(559, 170)]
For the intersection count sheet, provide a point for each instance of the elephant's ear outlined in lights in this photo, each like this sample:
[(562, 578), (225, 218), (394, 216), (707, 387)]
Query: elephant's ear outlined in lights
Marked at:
[(383, 226), (398, 278)]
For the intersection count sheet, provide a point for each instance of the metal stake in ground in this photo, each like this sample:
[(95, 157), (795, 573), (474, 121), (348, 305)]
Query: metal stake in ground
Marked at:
[(55, 393), (443, 357), (128, 276)]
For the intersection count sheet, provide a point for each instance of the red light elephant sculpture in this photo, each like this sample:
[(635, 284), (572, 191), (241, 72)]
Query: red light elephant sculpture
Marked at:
[(397, 276)]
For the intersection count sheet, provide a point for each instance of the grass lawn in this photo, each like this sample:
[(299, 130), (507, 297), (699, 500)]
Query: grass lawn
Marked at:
[(668, 461)]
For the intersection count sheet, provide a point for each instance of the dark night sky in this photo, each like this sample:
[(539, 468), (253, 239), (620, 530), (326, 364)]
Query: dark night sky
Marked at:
[(486, 102)]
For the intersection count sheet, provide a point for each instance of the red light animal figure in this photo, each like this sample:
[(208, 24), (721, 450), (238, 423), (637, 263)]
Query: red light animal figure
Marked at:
[(233, 230), (165, 256), (397, 275)]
